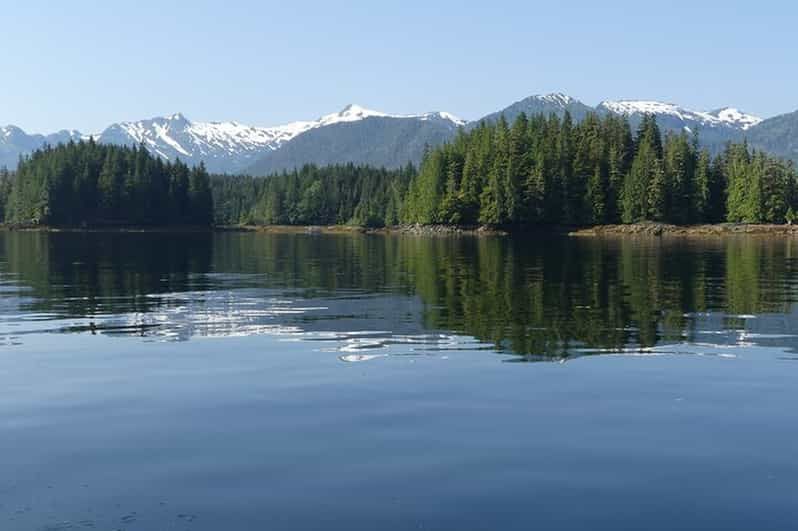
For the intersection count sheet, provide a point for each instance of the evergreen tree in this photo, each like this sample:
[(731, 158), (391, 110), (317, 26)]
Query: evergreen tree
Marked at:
[(700, 206)]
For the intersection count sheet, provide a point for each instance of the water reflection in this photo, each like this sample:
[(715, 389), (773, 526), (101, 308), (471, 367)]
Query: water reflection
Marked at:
[(368, 297)]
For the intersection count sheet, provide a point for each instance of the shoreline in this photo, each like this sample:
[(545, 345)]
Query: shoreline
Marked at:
[(418, 230), (414, 230), (645, 229), (694, 231), (131, 229)]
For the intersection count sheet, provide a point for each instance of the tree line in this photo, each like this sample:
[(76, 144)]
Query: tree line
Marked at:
[(539, 170), (340, 194), (90, 184), (86, 183), (549, 170)]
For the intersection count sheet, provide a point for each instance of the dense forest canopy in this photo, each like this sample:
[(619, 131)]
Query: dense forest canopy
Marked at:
[(547, 170), (85, 183), (332, 195), (90, 184), (536, 171)]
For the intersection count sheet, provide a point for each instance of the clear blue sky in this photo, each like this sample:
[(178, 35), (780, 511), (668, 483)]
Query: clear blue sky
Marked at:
[(84, 64)]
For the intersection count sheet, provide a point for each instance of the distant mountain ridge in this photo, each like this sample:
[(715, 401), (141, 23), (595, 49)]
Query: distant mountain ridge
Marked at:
[(555, 103), (715, 128), (231, 147), (724, 117), (721, 124), (359, 135), (15, 142), (389, 141)]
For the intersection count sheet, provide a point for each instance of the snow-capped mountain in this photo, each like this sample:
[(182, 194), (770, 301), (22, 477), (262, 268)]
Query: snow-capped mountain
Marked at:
[(361, 136), (735, 118), (670, 116), (354, 113), (222, 146), (715, 128), (232, 147), (555, 103), (727, 117)]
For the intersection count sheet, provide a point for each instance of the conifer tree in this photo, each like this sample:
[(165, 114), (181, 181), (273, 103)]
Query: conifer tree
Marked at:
[(700, 197)]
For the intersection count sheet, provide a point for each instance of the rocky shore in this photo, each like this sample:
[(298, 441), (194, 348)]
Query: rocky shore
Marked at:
[(440, 230), (662, 229), (415, 230), (635, 229)]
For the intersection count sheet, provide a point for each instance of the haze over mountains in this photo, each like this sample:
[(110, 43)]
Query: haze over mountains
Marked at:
[(359, 135)]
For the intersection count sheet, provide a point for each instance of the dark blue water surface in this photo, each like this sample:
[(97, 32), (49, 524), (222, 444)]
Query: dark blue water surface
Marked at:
[(289, 381)]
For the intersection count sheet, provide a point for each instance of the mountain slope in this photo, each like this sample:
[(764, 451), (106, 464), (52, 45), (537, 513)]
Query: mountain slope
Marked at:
[(14, 142), (389, 141), (778, 136)]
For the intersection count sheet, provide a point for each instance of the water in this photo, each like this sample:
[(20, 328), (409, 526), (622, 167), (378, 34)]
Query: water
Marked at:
[(256, 381)]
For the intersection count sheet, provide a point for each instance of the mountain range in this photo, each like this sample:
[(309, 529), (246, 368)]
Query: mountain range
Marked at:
[(359, 135)]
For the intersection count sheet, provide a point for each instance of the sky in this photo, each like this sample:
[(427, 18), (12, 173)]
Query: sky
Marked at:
[(86, 64)]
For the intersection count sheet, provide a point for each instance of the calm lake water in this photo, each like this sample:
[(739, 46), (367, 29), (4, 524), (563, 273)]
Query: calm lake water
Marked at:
[(254, 381)]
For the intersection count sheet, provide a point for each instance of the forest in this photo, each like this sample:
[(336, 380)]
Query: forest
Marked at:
[(85, 184), (342, 194), (547, 170), (91, 184), (539, 170)]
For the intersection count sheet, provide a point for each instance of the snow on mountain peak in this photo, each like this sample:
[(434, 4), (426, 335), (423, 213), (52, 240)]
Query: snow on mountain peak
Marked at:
[(726, 117), (350, 113), (557, 98), (446, 116), (736, 117), (175, 136), (10, 130), (643, 107), (359, 112), (354, 113)]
